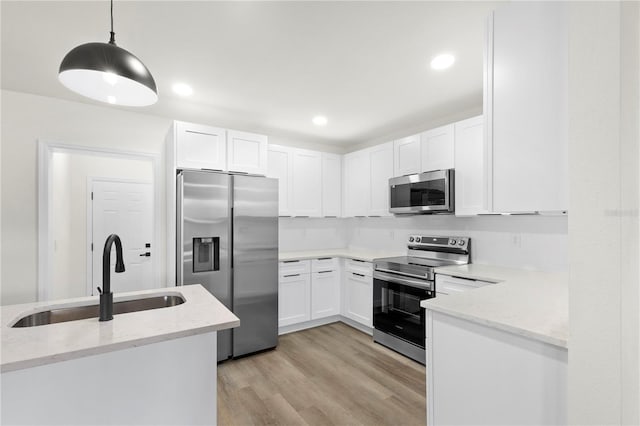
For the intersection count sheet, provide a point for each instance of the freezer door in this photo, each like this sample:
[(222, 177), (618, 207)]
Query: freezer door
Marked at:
[(255, 263), (204, 233)]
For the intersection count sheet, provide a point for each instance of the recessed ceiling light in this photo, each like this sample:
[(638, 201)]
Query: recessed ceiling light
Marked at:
[(182, 89), (442, 62), (320, 120)]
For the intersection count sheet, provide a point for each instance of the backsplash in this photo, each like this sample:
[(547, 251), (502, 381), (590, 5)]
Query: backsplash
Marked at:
[(528, 242)]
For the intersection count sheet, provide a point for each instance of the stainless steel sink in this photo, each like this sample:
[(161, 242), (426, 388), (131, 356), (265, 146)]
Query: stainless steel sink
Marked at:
[(93, 311)]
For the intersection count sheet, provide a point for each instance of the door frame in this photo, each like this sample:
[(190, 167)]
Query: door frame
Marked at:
[(90, 181), (46, 148)]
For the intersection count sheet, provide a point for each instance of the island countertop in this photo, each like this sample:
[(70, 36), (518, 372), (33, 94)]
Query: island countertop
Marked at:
[(33, 346), (532, 304)]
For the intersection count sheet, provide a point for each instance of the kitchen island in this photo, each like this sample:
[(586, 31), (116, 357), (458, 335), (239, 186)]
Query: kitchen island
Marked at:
[(498, 354), (147, 367)]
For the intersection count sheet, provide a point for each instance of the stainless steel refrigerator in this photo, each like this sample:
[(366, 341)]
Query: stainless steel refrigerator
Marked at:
[(227, 241)]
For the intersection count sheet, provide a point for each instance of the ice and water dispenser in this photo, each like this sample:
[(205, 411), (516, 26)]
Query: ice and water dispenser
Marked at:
[(206, 254)]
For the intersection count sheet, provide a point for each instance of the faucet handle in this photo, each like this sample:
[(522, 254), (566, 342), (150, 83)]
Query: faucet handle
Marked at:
[(99, 290)]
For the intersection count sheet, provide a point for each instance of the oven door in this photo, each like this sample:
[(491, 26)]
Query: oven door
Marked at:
[(422, 193), (396, 306)]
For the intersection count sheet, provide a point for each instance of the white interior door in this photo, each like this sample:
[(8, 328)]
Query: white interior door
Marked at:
[(124, 208)]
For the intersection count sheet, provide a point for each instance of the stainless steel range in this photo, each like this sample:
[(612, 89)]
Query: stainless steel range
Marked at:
[(400, 283)]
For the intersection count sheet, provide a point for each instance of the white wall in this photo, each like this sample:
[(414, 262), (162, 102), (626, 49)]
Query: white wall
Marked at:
[(312, 233), (529, 242), (25, 119), (603, 223)]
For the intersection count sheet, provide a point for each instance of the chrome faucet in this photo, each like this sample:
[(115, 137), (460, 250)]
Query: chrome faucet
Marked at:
[(106, 296)]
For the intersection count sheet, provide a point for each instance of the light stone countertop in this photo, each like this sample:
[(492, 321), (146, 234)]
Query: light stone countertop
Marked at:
[(527, 303), (348, 253), (33, 346)]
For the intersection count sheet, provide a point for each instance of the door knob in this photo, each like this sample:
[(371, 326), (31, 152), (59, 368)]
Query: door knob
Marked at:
[(147, 254)]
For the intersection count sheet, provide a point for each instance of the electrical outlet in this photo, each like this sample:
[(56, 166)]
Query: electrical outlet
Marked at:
[(516, 240)]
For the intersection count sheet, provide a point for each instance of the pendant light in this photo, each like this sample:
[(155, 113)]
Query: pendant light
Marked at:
[(108, 73)]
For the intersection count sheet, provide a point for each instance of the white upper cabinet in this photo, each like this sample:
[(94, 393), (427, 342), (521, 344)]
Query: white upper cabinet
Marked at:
[(307, 183), (406, 153), (526, 107), (280, 166), (381, 170), (470, 167), (331, 184), (437, 147), (200, 147), (357, 184), (246, 152)]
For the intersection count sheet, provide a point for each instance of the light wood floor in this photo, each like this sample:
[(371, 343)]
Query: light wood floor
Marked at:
[(329, 375)]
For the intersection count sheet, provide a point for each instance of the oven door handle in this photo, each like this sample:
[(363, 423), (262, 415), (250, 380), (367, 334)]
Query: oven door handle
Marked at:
[(404, 274), (426, 285)]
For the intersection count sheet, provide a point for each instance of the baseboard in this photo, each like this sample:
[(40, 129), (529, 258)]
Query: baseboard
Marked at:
[(324, 321)]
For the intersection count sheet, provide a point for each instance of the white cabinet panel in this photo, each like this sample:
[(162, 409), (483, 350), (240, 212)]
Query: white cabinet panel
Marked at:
[(325, 294), (331, 184), (294, 294), (470, 167), (200, 147), (381, 170), (291, 267), (325, 264), (307, 183), (437, 147), (246, 152), (358, 294), (407, 155), (447, 285), (280, 166), (527, 109), (357, 184)]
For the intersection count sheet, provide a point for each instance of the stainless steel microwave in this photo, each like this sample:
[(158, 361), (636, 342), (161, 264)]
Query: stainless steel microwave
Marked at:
[(429, 192)]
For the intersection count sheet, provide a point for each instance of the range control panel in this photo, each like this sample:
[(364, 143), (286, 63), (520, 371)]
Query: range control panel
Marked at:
[(438, 241)]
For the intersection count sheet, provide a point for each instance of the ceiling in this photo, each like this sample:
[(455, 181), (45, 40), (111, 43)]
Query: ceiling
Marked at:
[(269, 66)]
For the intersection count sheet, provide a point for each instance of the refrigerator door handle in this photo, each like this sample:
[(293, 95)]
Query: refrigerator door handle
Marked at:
[(180, 230)]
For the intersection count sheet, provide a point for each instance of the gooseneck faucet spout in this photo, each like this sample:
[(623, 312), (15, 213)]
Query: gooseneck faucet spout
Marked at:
[(106, 296)]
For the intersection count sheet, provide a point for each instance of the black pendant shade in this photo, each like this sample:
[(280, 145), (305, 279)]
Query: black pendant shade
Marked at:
[(108, 73)]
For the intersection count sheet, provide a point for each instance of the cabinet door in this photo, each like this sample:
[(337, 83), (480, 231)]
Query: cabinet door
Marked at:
[(528, 108), (280, 166), (470, 167), (200, 147), (331, 185), (294, 294), (307, 183), (359, 298), (437, 147), (357, 184), (381, 162), (246, 152), (406, 154), (325, 294)]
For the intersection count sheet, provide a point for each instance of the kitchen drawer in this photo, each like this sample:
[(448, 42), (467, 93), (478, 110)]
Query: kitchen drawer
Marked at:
[(324, 264), (293, 267), (359, 267), (446, 284)]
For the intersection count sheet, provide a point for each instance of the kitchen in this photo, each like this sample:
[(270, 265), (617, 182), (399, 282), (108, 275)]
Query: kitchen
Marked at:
[(602, 95)]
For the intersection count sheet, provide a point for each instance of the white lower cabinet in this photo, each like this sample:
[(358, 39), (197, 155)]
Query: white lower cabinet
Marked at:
[(325, 294), (293, 299), (308, 290), (358, 292)]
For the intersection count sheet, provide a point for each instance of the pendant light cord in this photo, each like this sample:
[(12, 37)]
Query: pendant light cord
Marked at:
[(112, 39)]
